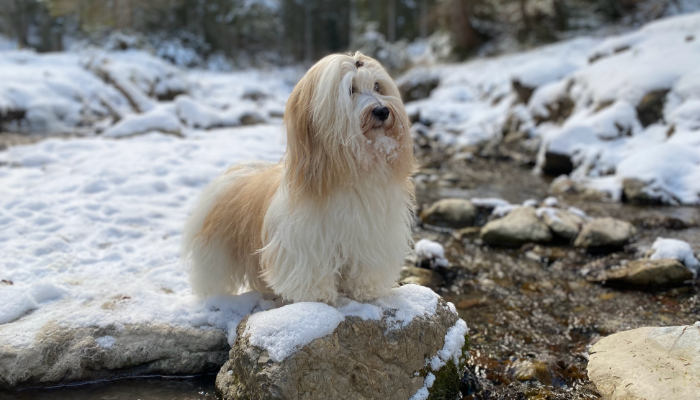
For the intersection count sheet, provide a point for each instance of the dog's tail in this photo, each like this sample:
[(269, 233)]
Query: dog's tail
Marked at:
[(213, 271)]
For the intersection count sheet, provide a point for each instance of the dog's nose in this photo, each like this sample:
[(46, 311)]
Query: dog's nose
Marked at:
[(382, 113)]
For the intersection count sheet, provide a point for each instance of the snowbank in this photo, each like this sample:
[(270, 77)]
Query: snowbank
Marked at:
[(93, 224), (130, 92), (622, 108)]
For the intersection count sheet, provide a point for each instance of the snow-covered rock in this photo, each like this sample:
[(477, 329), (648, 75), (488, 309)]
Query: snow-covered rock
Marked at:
[(397, 347), (90, 232), (645, 273), (677, 250), (430, 254), (648, 363)]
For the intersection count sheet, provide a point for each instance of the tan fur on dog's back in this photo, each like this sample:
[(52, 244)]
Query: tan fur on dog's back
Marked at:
[(237, 211)]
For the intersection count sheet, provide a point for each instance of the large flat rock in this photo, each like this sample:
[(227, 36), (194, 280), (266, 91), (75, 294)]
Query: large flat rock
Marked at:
[(650, 363)]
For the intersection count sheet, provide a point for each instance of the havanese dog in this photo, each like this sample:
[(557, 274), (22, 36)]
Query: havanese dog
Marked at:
[(333, 218)]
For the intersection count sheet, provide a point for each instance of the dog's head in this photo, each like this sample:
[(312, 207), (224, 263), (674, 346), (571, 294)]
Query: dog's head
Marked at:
[(345, 122)]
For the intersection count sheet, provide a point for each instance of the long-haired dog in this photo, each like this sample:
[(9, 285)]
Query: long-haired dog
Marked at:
[(334, 216)]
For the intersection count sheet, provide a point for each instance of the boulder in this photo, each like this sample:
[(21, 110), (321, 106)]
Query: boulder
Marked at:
[(409, 343), (61, 354), (648, 273), (637, 191), (563, 224), (556, 164), (451, 213), (519, 226), (650, 108), (605, 233), (648, 363), (417, 84)]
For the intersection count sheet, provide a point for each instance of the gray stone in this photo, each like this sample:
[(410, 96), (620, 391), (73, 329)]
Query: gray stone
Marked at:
[(606, 232), (452, 213), (61, 354), (649, 273), (519, 226), (563, 223), (648, 363), (360, 359)]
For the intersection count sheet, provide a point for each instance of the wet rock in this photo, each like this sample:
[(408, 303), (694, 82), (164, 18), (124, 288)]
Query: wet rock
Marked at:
[(61, 354), (648, 363), (417, 85), (523, 91), (604, 233), (252, 118), (556, 164), (451, 213), (648, 273), (650, 108), (636, 191), (519, 226), (388, 353), (527, 370), (420, 276), (563, 224), (557, 111), (565, 185)]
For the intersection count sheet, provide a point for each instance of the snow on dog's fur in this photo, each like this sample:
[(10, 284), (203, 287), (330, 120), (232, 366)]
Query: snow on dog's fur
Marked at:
[(333, 217)]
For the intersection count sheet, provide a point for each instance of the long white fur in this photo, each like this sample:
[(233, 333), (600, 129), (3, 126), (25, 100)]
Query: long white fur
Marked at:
[(355, 240)]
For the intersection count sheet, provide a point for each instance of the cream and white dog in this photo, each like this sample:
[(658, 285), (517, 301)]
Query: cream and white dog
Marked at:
[(334, 216)]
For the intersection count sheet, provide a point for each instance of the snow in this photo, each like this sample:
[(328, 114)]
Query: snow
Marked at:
[(604, 80), (677, 250), (427, 249), (284, 330), (91, 224)]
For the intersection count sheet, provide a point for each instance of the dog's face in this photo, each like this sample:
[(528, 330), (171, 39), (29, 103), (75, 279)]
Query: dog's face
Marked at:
[(345, 122)]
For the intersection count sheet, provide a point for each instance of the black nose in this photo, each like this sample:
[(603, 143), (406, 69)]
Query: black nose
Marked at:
[(381, 113)]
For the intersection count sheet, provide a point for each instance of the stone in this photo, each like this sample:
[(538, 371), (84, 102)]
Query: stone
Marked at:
[(523, 91), (382, 356), (519, 226), (636, 191), (62, 354), (650, 108), (420, 276), (252, 118), (556, 164), (605, 233), (563, 224), (451, 213), (648, 363), (417, 84), (648, 273)]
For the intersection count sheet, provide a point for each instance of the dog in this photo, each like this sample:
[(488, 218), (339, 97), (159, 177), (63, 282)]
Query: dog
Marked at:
[(333, 218)]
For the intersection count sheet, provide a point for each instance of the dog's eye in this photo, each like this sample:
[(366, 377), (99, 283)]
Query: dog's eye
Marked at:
[(377, 88)]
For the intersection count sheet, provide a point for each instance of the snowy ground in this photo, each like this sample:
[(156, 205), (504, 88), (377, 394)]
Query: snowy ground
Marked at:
[(585, 98)]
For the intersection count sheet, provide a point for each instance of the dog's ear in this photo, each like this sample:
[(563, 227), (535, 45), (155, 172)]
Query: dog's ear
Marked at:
[(307, 164)]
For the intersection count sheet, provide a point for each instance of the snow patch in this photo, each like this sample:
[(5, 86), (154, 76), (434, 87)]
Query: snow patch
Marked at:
[(677, 250)]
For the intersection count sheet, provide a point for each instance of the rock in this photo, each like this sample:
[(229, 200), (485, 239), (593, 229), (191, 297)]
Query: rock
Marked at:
[(604, 233), (563, 224), (648, 273), (417, 84), (523, 91), (557, 111), (406, 343), (60, 354), (420, 276), (252, 118), (519, 226), (648, 363), (650, 108), (556, 164), (452, 213), (635, 191)]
